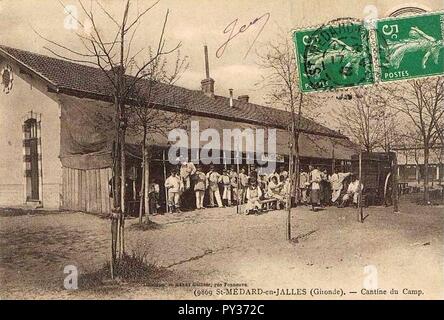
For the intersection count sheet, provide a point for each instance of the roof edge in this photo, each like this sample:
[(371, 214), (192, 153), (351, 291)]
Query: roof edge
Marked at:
[(54, 88)]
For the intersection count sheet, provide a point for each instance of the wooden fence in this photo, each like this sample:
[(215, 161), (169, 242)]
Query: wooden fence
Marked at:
[(86, 190)]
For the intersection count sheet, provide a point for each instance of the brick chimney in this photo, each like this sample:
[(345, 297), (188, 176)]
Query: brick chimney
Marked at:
[(207, 83), (244, 98)]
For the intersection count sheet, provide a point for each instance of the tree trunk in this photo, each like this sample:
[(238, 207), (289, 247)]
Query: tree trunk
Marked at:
[(122, 189), (115, 184), (122, 124), (426, 174), (296, 147), (122, 172), (296, 190), (291, 177), (146, 175), (142, 185)]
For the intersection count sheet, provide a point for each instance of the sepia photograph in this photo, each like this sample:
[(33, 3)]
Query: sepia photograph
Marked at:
[(221, 150)]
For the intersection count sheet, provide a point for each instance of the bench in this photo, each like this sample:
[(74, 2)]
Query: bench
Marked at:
[(268, 204)]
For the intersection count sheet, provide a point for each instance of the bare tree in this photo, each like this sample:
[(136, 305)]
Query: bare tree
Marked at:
[(282, 85), (146, 120), (112, 52), (367, 119), (422, 103)]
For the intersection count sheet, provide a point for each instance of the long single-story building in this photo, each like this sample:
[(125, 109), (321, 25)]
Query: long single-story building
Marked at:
[(57, 131), (411, 167)]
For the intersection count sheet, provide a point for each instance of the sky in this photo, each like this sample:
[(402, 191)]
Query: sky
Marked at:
[(194, 23)]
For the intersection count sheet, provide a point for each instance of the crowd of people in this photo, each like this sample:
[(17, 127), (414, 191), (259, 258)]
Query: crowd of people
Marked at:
[(231, 187), (318, 188)]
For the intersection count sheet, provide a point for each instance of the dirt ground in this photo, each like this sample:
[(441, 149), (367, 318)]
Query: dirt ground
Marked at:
[(207, 253)]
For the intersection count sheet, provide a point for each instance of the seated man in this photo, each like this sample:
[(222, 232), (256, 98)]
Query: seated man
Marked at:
[(352, 194), (275, 190), (253, 196)]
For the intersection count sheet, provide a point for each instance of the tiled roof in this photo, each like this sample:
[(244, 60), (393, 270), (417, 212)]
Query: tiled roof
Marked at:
[(71, 78)]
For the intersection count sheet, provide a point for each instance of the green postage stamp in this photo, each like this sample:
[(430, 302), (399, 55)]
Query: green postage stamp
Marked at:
[(335, 55), (338, 54), (411, 46)]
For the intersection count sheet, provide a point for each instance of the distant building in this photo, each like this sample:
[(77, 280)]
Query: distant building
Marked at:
[(411, 164)]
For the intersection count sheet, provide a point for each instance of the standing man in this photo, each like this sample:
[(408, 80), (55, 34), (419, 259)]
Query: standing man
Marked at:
[(252, 177), (200, 185), (303, 186), (285, 192), (186, 170), (337, 183), (325, 188), (243, 179), (234, 184), (173, 184), (282, 173), (315, 180), (213, 178), (226, 184), (153, 196)]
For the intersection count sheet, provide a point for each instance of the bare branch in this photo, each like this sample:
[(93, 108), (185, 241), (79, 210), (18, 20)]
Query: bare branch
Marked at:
[(139, 16)]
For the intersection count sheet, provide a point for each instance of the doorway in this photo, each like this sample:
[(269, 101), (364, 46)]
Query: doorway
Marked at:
[(32, 160)]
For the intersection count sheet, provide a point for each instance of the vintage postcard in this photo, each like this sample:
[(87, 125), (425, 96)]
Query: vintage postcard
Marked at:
[(222, 150)]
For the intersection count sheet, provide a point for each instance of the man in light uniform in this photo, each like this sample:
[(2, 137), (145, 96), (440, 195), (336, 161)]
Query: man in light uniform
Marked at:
[(234, 184), (200, 185), (214, 178), (226, 184), (315, 180), (337, 183), (353, 190), (174, 186), (187, 169), (243, 181), (303, 185)]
